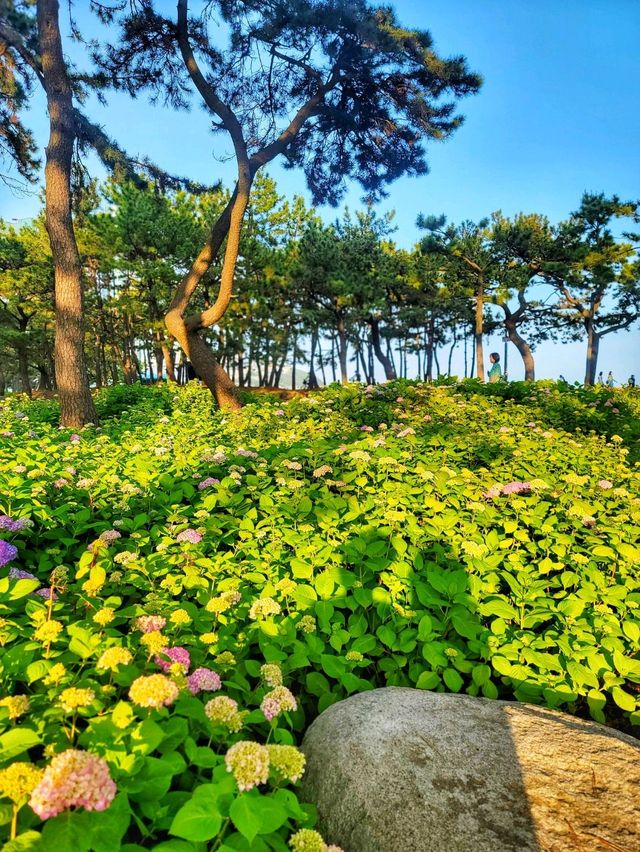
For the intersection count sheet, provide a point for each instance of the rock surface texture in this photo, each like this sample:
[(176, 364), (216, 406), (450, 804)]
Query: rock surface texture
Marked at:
[(404, 770)]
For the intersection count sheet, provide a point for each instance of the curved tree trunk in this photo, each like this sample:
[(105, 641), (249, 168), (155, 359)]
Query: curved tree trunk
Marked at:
[(525, 352), (76, 404), (389, 371)]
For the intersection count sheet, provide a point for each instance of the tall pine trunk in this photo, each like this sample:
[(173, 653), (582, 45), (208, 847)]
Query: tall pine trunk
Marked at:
[(342, 349), (593, 345), (72, 381), (478, 330)]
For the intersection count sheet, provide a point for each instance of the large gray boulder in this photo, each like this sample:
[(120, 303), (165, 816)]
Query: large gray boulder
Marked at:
[(403, 770)]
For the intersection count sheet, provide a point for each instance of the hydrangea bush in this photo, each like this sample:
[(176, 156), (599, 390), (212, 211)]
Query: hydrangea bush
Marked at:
[(165, 642)]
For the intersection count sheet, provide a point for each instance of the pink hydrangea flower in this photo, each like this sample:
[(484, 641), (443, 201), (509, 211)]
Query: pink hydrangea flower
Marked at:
[(149, 623), (176, 655), (279, 412), (73, 779), (492, 492), (366, 429), (190, 535), (74, 439), (203, 680), (271, 708), (517, 488), (207, 483), (605, 484)]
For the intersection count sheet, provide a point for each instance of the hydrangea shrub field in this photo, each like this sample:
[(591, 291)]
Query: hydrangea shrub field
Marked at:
[(182, 592)]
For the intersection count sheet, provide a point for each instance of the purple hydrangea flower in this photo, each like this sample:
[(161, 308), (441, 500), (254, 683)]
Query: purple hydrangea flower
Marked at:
[(7, 552), (176, 655), (47, 594), (19, 574), (74, 438), (246, 454), (190, 535), (207, 483), (203, 680), (11, 524)]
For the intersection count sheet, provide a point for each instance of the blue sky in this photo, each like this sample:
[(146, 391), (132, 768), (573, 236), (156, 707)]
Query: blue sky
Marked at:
[(559, 113)]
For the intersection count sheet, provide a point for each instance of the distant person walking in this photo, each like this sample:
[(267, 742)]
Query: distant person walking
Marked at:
[(632, 381), (610, 382), (600, 379), (495, 373)]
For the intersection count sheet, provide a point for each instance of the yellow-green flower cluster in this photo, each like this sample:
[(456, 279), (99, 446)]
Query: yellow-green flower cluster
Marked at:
[(209, 638), (249, 763), (307, 624), (307, 840), (18, 781), (180, 617), (223, 710), (286, 587), (223, 602), (104, 616), (114, 657), (155, 690), (264, 607), (55, 675), (17, 705), (279, 700), (73, 699), (271, 674), (154, 641), (288, 761), (225, 660), (354, 657), (48, 632)]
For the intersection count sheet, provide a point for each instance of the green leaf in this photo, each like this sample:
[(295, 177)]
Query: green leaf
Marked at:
[(68, 832), (453, 680), (428, 680), (199, 819), (109, 827), (16, 741), (623, 699), (269, 813), (244, 817), (500, 608), (29, 841)]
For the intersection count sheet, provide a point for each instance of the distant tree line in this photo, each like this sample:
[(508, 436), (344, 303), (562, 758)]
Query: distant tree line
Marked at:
[(330, 301), (114, 282)]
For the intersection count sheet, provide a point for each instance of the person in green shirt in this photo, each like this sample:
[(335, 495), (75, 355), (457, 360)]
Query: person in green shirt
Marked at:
[(495, 373)]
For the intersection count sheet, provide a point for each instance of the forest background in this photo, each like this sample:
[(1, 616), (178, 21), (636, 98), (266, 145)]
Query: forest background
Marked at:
[(553, 119)]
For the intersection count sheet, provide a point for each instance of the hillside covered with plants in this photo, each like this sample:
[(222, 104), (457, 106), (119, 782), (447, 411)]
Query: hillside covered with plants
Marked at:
[(184, 590)]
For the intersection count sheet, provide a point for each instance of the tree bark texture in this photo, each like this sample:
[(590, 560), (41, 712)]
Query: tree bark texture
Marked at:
[(76, 404), (342, 349), (389, 370), (525, 352), (478, 331), (593, 345)]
